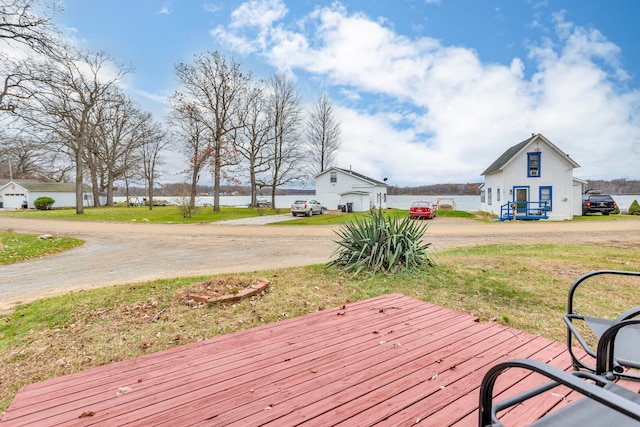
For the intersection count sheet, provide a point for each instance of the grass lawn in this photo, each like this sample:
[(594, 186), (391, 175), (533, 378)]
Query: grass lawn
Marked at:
[(524, 286), (157, 215), (19, 247), (341, 218), (171, 215)]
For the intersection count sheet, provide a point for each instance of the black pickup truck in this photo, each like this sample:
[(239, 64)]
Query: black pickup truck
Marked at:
[(593, 202)]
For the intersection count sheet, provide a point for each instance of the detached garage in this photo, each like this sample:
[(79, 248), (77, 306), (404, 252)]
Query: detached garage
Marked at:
[(20, 194), (338, 187)]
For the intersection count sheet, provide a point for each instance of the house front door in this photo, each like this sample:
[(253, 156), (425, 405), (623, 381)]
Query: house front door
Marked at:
[(522, 196)]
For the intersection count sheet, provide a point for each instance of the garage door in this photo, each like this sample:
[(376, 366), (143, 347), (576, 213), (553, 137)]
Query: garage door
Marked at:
[(13, 201)]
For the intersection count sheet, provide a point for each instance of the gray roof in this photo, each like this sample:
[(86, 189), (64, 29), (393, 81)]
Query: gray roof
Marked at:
[(50, 187), (511, 152), (356, 174)]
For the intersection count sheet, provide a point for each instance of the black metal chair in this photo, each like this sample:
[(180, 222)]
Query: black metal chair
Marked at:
[(628, 348), (605, 403)]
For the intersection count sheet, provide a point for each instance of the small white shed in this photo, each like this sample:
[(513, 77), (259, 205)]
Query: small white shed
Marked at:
[(338, 187), (356, 201), (14, 194)]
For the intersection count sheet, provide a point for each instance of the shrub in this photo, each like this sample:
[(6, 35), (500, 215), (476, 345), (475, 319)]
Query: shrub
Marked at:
[(634, 208), (381, 244), (616, 210), (185, 207), (43, 203)]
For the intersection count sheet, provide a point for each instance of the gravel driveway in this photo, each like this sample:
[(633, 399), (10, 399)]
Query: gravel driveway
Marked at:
[(118, 253)]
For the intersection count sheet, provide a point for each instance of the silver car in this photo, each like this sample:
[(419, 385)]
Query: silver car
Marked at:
[(307, 207)]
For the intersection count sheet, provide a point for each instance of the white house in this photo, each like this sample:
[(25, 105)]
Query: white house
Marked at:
[(14, 194), (341, 187), (532, 180)]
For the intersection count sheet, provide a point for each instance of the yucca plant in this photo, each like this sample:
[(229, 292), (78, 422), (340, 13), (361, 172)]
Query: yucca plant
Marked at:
[(380, 243)]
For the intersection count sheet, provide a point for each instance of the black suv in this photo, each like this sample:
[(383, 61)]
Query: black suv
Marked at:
[(596, 202)]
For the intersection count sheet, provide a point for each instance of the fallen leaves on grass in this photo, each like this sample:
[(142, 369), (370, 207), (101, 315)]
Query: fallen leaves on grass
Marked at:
[(229, 285)]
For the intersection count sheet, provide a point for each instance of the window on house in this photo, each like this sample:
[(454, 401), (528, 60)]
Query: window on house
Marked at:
[(488, 196), (534, 164), (333, 177), (545, 196), (498, 194), (482, 196)]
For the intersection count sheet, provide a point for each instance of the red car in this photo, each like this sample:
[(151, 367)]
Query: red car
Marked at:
[(422, 209)]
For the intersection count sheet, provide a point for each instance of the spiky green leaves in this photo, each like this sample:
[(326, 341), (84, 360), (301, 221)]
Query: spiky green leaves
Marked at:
[(382, 243)]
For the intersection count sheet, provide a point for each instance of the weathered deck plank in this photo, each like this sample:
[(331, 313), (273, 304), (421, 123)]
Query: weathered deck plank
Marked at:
[(351, 365)]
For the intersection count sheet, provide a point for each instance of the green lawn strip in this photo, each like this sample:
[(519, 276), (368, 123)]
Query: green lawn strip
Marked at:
[(341, 218), (157, 215), (19, 247), (599, 217), (524, 286)]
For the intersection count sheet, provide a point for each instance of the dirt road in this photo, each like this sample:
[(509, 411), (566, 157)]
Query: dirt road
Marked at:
[(117, 253)]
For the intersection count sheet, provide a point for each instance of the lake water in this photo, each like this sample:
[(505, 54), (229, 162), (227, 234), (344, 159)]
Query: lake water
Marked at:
[(463, 203)]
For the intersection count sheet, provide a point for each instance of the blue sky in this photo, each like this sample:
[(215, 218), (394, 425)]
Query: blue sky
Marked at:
[(426, 91)]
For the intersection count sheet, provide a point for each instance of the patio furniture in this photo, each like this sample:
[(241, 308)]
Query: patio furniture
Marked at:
[(628, 348), (604, 403)]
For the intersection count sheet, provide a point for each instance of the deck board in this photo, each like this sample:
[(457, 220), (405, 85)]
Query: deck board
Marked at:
[(410, 362)]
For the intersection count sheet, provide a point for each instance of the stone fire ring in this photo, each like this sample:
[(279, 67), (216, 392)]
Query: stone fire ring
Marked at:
[(259, 286)]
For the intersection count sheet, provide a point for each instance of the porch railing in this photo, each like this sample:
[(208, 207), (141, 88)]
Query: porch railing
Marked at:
[(524, 210)]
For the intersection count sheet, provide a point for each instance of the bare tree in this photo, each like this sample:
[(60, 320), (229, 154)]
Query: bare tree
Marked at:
[(214, 86), (22, 27), (62, 102), (94, 170), (21, 157), (285, 151), (118, 134), (154, 141), (20, 22), (253, 138), (195, 140), (132, 171), (323, 133)]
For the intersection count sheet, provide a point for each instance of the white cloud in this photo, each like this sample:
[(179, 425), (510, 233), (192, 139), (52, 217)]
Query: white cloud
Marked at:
[(164, 10), (258, 13), (255, 17), (233, 41), (211, 8), (466, 112)]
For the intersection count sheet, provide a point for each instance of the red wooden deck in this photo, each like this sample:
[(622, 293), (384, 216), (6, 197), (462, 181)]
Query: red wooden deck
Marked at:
[(411, 362)]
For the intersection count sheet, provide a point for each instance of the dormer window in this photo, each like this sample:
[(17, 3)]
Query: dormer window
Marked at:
[(533, 163)]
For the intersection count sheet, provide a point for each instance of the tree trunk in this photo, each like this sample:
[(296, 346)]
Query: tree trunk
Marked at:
[(150, 193), (79, 184), (192, 190), (254, 195), (273, 197), (126, 191), (110, 190), (95, 188), (217, 161)]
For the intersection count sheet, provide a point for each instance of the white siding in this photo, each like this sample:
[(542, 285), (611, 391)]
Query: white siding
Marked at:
[(555, 172), (328, 193), (577, 199), (13, 196), (493, 182), (64, 199)]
